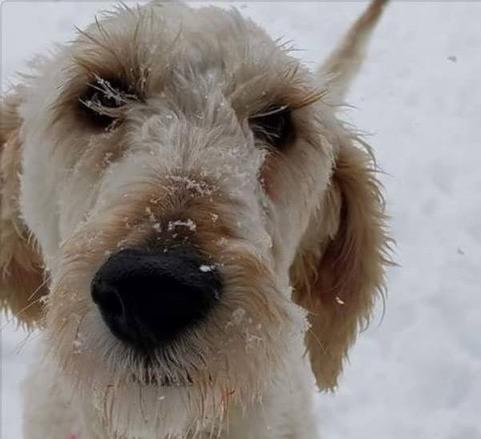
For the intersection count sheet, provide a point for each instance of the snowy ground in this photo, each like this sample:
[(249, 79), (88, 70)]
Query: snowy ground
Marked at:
[(416, 374)]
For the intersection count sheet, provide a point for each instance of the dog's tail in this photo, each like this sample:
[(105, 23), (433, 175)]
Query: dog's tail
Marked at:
[(342, 65)]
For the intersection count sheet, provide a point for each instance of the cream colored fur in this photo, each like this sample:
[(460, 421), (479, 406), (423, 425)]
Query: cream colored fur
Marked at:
[(299, 233)]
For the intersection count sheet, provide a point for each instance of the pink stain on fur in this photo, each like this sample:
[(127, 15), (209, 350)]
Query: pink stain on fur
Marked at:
[(73, 436)]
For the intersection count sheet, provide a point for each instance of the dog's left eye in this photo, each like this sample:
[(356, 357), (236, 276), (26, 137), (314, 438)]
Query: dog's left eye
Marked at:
[(274, 126), (105, 101)]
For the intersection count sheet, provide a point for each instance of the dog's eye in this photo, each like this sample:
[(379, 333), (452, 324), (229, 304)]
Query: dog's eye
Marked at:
[(105, 101), (274, 126)]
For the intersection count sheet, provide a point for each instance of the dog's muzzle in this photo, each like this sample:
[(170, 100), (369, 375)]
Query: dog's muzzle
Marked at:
[(149, 297)]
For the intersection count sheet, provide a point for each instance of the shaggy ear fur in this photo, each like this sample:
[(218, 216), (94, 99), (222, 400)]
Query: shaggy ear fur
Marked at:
[(339, 270), (21, 275)]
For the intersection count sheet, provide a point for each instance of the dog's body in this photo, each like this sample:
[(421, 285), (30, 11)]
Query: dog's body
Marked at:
[(178, 190)]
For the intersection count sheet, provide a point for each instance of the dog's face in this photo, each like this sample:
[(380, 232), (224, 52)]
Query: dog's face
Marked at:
[(180, 173)]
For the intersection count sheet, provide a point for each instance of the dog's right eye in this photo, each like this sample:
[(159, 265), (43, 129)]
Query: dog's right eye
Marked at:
[(105, 102)]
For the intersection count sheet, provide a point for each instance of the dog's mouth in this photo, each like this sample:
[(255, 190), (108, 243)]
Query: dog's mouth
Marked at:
[(175, 382), (163, 381), (171, 382), (150, 378), (149, 373)]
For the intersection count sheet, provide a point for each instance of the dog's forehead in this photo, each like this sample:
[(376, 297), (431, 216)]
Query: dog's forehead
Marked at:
[(163, 37)]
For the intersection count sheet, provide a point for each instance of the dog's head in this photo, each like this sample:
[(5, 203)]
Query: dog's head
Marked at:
[(177, 188)]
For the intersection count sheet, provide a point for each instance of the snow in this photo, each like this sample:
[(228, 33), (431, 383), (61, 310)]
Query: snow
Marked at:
[(189, 224), (340, 301), (206, 268), (238, 315), (416, 373)]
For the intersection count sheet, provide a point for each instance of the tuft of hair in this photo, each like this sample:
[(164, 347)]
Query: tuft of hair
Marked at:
[(341, 67)]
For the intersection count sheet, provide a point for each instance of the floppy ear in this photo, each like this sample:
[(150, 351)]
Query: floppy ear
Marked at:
[(339, 269), (21, 274)]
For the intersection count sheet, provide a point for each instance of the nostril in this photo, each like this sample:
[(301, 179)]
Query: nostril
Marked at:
[(107, 298)]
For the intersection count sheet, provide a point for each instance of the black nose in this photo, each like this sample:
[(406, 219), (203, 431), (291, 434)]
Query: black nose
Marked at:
[(147, 298)]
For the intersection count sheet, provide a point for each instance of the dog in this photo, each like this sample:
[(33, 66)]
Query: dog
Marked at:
[(189, 224)]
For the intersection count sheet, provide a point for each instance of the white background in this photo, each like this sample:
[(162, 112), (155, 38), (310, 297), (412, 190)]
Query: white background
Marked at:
[(416, 374)]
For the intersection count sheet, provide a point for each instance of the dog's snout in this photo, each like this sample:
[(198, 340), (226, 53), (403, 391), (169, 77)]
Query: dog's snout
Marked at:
[(147, 298)]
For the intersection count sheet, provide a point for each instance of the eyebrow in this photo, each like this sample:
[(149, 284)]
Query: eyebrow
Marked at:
[(262, 94)]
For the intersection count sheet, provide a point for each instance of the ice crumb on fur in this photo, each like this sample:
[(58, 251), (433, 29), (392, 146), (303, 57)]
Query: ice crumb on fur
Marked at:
[(222, 241), (238, 315), (202, 188), (188, 223), (252, 339), (78, 344), (107, 158), (150, 214), (237, 318), (110, 92), (207, 268), (340, 301)]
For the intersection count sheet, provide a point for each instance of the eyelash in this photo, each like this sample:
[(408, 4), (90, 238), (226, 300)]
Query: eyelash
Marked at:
[(104, 102), (105, 105)]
